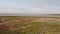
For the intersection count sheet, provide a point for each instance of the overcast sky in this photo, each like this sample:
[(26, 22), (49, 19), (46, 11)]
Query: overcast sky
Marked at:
[(30, 6)]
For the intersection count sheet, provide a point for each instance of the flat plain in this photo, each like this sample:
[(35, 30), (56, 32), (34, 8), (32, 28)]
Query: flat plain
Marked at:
[(29, 25)]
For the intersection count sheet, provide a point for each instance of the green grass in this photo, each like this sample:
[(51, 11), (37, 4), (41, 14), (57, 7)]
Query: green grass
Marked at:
[(39, 27), (36, 28), (32, 27)]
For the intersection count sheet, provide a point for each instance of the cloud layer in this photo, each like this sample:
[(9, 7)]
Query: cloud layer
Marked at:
[(30, 7)]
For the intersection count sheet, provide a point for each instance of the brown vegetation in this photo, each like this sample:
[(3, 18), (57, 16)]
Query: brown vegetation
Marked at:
[(23, 23)]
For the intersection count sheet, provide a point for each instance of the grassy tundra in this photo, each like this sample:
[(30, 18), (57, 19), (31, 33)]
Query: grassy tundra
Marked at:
[(29, 25)]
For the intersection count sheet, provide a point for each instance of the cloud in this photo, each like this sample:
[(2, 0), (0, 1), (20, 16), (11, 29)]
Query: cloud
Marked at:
[(30, 10), (46, 4), (45, 11), (51, 11)]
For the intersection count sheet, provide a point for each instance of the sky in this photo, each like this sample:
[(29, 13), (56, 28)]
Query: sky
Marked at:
[(30, 6)]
